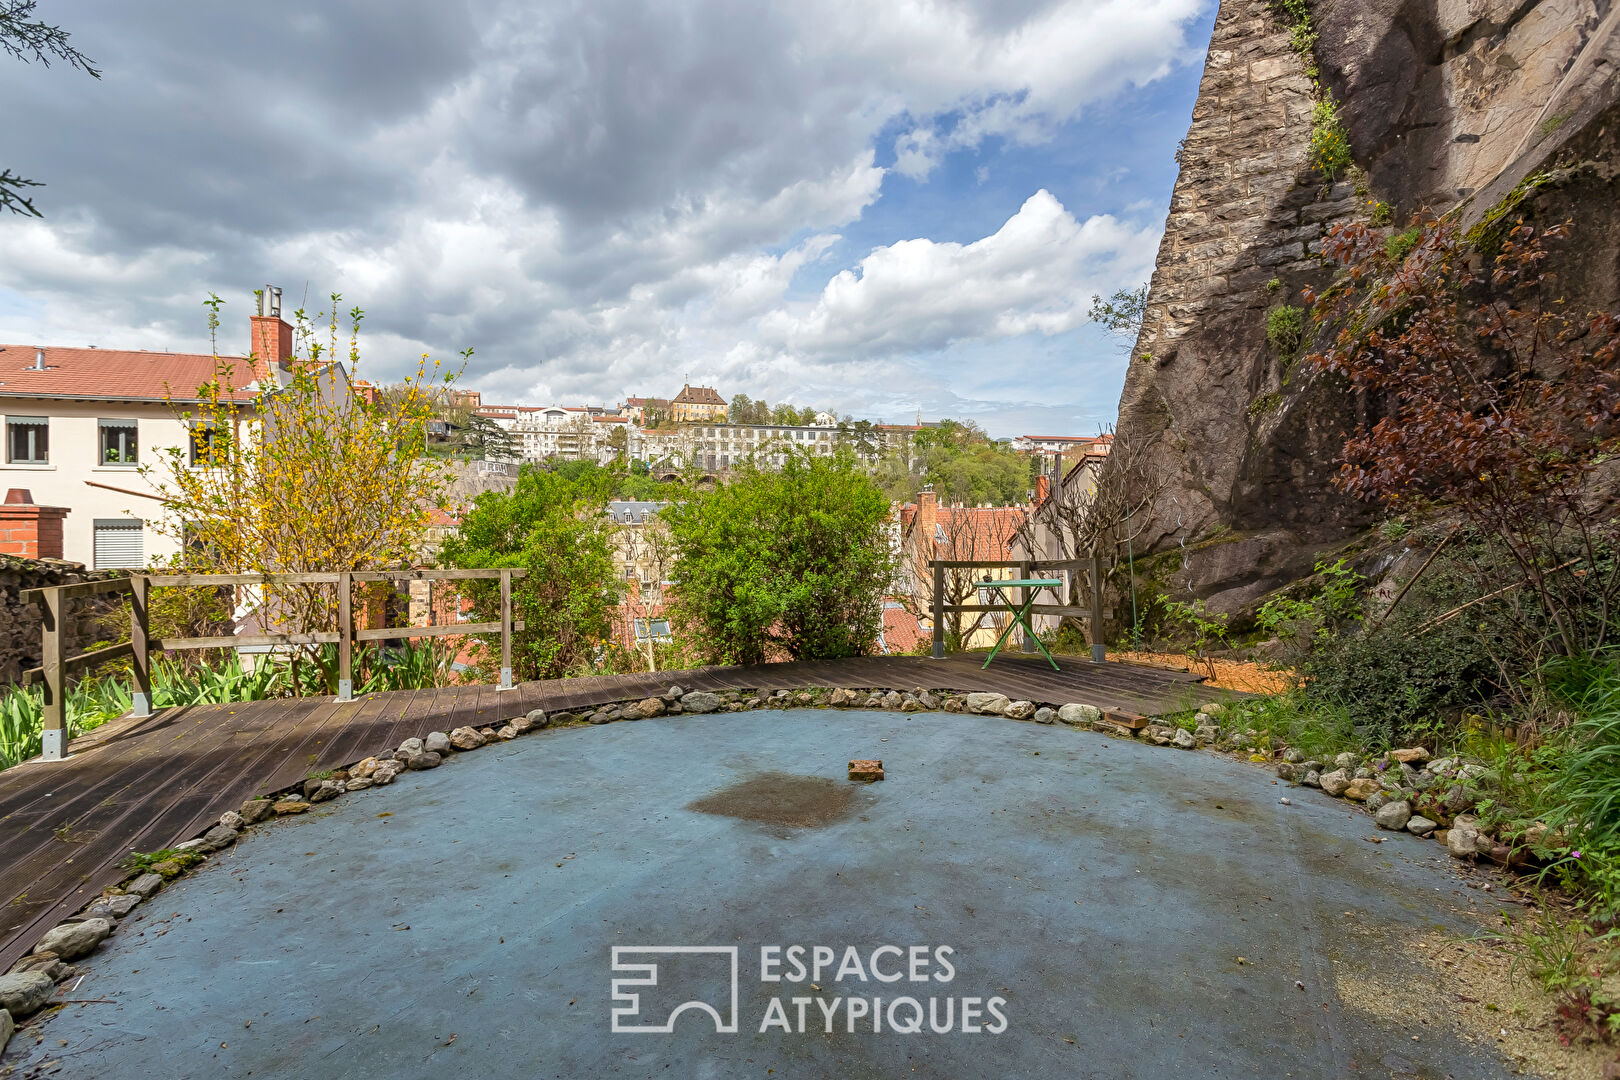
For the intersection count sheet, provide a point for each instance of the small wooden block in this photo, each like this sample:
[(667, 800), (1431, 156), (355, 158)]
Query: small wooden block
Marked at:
[(866, 771), (1125, 719)]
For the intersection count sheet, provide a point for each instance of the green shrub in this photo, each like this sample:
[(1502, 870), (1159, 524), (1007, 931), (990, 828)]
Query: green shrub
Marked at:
[(1405, 680), (1399, 245), (1285, 328), (791, 562), (554, 525)]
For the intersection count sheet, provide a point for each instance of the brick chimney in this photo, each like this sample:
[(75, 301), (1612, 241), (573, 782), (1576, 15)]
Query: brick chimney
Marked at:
[(34, 532), (927, 516), (1043, 486), (272, 338)]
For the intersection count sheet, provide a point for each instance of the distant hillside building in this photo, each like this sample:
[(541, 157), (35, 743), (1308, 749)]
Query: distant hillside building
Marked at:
[(696, 404)]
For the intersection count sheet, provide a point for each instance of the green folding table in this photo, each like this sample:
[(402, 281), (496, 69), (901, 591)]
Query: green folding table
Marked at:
[(1020, 613)]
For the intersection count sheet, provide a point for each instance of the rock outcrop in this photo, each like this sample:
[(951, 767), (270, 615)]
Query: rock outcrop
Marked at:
[(1448, 106)]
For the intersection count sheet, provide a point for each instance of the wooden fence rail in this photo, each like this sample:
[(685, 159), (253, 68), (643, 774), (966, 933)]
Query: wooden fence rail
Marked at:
[(1025, 568), (55, 667)]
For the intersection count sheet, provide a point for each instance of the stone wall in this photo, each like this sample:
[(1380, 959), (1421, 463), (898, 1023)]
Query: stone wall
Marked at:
[(86, 620), (1448, 106)]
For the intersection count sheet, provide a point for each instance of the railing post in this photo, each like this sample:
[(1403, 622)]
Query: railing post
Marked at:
[(1025, 570), (1099, 651), (140, 664), (506, 630), (345, 601), (938, 652), (53, 733)]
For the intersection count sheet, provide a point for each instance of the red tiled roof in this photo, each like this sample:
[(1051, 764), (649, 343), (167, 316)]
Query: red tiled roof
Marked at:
[(902, 633), (117, 374), (972, 532), (611, 419)]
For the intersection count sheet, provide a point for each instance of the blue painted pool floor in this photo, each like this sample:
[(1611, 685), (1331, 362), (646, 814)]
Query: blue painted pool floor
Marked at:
[(1137, 912)]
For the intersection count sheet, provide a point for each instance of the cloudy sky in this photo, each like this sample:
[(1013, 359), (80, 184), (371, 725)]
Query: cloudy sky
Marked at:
[(873, 206)]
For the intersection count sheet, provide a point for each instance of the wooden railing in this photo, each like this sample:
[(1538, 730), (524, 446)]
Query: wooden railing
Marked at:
[(1026, 569), (55, 667)]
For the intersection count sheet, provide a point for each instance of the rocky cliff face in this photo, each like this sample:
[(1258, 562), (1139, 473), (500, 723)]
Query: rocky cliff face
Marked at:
[(1448, 105)]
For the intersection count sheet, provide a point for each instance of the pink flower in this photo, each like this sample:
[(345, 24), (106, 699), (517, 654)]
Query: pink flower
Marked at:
[(1575, 854)]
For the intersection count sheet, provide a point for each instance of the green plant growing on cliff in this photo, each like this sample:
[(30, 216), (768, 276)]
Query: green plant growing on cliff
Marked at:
[(1330, 142), (1329, 152), (1486, 237), (1121, 313), (1263, 404), (1285, 329), (1400, 245), (1303, 623), (1553, 123)]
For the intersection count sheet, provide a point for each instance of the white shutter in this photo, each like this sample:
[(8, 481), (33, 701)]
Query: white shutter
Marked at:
[(118, 544)]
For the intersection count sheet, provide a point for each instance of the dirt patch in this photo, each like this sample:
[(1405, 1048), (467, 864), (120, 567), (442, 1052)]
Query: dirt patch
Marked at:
[(1466, 989), (1245, 676), (774, 798)]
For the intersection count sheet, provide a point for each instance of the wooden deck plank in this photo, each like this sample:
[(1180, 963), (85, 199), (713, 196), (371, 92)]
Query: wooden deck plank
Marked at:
[(314, 732), (359, 735), (110, 827)]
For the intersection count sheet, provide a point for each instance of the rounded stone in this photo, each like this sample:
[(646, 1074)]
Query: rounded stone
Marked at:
[(25, 992), (700, 701), (1075, 713), (1393, 815), (72, 940)]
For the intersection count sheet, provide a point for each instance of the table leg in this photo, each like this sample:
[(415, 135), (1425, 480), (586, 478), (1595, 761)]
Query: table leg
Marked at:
[(1011, 622)]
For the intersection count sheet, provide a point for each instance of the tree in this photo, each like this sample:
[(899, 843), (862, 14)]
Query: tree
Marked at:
[(23, 37), (618, 440), (554, 525), (483, 438), (1099, 504), (302, 478), (793, 562), (1121, 314), (1499, 403), (965, 466)]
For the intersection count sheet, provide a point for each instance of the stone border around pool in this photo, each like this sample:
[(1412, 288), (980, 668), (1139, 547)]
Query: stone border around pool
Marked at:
[(31, 984)]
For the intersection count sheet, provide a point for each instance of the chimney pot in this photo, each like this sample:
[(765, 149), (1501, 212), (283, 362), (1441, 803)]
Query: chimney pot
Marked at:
[(19, 497)]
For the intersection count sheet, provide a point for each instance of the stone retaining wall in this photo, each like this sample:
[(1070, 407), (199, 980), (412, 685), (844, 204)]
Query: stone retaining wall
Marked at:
[(86, 621)]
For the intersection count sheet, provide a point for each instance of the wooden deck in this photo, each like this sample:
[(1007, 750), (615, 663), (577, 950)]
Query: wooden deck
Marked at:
[(142, 785)]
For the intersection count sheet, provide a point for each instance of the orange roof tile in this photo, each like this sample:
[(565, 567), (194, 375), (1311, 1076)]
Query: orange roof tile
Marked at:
[(117, 374)]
